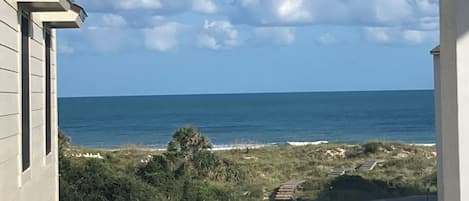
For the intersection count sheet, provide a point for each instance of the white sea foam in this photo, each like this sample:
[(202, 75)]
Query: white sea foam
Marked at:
[(220, 147), (424, 145), (307, 143), (238, 146), (242, 146)]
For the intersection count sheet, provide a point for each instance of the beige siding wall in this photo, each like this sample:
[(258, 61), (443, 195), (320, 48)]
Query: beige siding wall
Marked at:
[(40, 181)]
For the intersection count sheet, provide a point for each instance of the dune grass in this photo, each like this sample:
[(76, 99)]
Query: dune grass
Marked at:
[(407, 170), (411, 169)]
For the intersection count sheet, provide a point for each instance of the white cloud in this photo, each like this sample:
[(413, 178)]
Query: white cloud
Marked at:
[(113, 20), (204, 6), (108, 39), (149, 7), (266, 21), (391, 12), (164, 37), (380, 35), (409, 13), (293, 11), (427, 7), (418, 37), (249, 2), (386, 35), (327, 39), (428, 23), (218, 35), (138, 4), (107, 32), (208, 42), (106, 21), (276, 35)]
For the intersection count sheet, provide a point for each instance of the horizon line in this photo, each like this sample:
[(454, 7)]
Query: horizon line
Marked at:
[(247, 93)]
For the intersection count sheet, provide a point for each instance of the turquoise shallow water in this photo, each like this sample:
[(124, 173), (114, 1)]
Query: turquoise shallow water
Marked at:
[(251, 118)]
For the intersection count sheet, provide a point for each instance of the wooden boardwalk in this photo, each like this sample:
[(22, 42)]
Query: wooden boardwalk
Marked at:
[(287, 190), (337, 172), (366, 166), (370, 164)]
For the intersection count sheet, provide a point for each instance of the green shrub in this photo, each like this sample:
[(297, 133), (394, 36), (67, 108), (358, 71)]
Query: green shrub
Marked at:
[(372, 147), (205, 191), (346, 188), (195, 173), (94, 179), (63, 140)]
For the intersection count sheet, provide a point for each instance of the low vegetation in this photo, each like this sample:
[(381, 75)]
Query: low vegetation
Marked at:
[(189, 171)]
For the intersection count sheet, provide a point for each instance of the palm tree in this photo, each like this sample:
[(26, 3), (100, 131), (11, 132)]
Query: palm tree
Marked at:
[(188, 140)]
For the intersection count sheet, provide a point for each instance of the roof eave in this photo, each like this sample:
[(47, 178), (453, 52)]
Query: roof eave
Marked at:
[(436, 50), (73, 18), (45, 5)]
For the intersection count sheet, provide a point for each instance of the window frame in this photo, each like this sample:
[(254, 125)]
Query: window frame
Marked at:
[(25, 23), (48, 92)]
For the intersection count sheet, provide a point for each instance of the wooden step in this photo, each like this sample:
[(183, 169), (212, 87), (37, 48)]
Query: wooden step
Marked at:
[(289, 193), (286, 189), (284, 196)]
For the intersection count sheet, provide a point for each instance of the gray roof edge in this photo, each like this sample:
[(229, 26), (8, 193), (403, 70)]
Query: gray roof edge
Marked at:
[(436, 50)]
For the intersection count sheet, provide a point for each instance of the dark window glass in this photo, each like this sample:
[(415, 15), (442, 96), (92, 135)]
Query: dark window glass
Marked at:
[(48, 95), (25, 114)]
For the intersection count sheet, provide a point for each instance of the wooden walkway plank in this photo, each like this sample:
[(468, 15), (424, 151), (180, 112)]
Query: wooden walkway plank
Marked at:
[(337, 172), (370, 164), (287, 190)]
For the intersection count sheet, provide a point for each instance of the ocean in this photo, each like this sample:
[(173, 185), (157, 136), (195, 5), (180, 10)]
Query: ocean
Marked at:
[(227, 119)]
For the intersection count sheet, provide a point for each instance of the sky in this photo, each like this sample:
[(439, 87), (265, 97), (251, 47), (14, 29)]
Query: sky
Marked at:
[(159, 47)]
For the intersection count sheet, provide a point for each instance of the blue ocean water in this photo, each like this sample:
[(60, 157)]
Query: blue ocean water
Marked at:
[(251, 118)]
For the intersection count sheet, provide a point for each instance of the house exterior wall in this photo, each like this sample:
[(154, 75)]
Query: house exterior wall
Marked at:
[(452, 101), (40, 181), (438, 122)]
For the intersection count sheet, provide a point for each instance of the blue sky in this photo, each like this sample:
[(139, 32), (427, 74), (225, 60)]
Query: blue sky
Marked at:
[(149, 47)]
